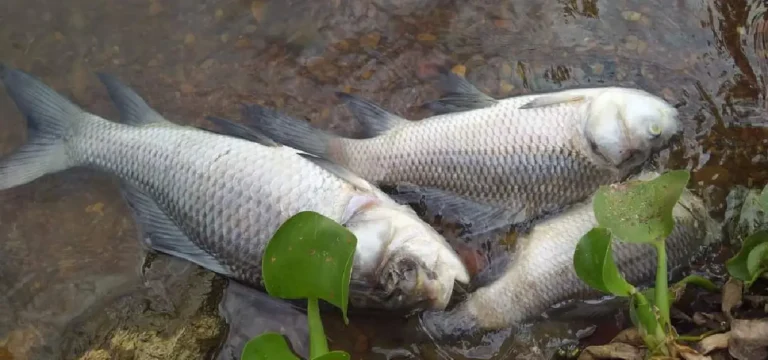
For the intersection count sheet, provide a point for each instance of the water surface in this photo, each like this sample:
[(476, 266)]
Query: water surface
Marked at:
[(69, 255)]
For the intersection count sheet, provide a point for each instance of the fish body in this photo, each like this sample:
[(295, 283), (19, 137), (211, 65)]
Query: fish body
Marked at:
[(542, 275), (217, 200), (498, 162)]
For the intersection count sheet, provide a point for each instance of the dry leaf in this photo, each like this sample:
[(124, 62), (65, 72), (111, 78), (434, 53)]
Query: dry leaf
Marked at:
[(615, 350), (629, 336), (749, 339), (731, 296), (713, 342), (688, 353)]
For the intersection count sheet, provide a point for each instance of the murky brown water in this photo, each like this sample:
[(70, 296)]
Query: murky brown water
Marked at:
[(68, 250)]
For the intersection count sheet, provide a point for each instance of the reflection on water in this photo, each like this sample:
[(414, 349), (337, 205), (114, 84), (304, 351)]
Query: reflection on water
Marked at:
[(69, 257)]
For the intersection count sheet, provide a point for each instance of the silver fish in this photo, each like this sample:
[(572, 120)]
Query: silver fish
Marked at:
[(491, 163), (216, 200), (541, 274)]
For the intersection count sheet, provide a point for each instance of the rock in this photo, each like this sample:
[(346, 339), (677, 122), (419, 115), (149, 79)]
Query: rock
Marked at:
[(460, 70), (370, 40), (615, 350)]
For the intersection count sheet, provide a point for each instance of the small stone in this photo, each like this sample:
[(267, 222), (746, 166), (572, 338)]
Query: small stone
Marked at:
[(426, 37), (631, 15), (58, 36), (207, 64), (631, 42), (641, 47), (257, 10), (47, 16), (366, 75), (242, 43), (506, 87), (155, 8), (460, 70), (342, 45), (224, 37), (219, 14), (370, 40), (250, 29), (189, 39), (597, 68), (77, 20), (506, 70), (153, 63), (187, 88)]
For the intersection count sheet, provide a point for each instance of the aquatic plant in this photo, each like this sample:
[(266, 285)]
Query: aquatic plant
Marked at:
[(638, 212), (309, 257), (751, 262)]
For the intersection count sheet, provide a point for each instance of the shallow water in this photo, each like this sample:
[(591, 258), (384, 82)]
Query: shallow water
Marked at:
[(69, 251)]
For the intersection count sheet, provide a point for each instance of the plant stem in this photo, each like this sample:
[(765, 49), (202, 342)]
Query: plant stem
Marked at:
[(318, 345), (662, 288), (695, 338)]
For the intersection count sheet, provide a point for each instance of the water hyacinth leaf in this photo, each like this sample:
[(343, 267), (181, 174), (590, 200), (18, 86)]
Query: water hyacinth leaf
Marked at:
[(640, 211), (593, 261), (268, 346), (333, 355), (763, 199), (757, 261), (310, 256), (738, 265)]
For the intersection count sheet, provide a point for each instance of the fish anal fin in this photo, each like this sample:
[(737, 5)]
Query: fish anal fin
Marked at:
[(160, 233)]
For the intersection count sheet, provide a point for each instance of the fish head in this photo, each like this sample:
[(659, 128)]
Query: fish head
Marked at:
[(409, 264), (625, 126)]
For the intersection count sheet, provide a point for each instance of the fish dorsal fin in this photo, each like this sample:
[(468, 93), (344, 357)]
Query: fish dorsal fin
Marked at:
[(554, 99), (374, 119), (162, 234), (231, 128), (340, 171), (133, 109), (458, 95)]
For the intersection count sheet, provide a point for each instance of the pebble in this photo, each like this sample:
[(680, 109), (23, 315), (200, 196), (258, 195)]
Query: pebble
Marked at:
[(155, 8), (426, 37), (207, 63), (506, 70), (250, 29), (506, 87), (370, 40), (631, 15), (631, 42), (460, 70), (224, 37), (58, 36), (257, 10), (366, 75), (187, 88), (597, 68), (77, 20), (219, 14), (189, 39), (641, 47)]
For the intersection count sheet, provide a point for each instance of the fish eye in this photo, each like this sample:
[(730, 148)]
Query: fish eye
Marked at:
[(654, 130)]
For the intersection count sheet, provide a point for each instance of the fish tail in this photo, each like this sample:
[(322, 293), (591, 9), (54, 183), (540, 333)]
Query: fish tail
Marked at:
[(50, 122), (290, 131)]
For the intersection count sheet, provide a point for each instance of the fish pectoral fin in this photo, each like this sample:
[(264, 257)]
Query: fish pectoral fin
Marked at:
[(160, 233), (554, 99), (458, 95), (133, 109), (373, 119), (233, 129), (340, 171), (481, 218)]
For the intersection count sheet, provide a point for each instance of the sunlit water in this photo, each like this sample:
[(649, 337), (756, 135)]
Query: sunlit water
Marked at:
[(70, 262)]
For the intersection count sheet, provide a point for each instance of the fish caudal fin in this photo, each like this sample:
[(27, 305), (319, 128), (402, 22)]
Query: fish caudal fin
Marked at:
[(373, 119), (50, 119), (288, 130), (133, 109)]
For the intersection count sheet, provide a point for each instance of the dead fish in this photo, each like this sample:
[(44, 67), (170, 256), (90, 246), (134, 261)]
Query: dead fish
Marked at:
[(542, 275), (217, 200), (492, 163)]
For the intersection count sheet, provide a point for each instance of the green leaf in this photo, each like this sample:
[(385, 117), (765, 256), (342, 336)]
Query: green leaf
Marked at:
[(593, 261), (642, 315), (757, 262), (640, 211), (738, 265), (310, 256), (763, 200), (333, 355), (268, 346)]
